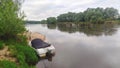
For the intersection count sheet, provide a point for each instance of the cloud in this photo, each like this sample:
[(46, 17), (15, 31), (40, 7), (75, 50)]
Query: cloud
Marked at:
[(41, 9)]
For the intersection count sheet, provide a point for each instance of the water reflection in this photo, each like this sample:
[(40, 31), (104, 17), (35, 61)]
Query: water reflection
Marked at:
[(51, 26), (94, 46), (89, 29), (48, 57)]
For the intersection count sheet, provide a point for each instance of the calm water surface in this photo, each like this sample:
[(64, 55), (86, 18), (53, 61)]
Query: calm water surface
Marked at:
[(81, 47)]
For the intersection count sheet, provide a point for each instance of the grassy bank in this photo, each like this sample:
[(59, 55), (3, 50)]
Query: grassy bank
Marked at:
[(20, 55)]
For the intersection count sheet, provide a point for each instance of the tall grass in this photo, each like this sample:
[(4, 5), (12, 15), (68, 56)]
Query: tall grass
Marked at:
[(7, 64), (25, 55), (1, 45)]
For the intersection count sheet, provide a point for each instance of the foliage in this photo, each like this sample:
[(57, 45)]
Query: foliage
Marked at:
[(91, 15), (1, 45), (10, 19), (51, 20), (11, 29), (68, 17), (79, 17), (28, 54), (33, 22), (7, 64), (119, 17), (43, 21), (94, 15), (24, 53), (110, 13), (19, 40)]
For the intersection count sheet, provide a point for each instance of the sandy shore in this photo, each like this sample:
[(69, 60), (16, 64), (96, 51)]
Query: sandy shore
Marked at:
[(34, 35)]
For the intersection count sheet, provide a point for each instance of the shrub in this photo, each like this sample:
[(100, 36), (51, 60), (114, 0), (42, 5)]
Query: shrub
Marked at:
[(7, 64), (27, 54), (19, 40), (11, 19), (24, 53), (1, 45)]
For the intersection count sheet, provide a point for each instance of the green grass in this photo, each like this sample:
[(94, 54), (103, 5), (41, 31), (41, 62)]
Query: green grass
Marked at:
[(25, 55), (1, 45), (7, 64)]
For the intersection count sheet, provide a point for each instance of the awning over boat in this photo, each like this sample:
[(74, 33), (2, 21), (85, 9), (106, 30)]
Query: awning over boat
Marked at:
[(38, 43)]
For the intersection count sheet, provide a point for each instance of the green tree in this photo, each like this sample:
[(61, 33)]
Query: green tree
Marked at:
[(92, 15), (43, 21), (51, 20), (67, 17), (62, 18), (80, 17), (71, 17), (11, 19), (119, 17), (110, 13)]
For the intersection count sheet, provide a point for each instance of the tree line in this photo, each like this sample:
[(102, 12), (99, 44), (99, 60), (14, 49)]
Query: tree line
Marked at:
[(32, 22), (91, 15)]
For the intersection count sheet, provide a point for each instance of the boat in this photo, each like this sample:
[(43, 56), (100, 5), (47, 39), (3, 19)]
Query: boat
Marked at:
[(42, 48)]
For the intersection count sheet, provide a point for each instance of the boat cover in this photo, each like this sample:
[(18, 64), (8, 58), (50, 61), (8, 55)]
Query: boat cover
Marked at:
[(38, 43)]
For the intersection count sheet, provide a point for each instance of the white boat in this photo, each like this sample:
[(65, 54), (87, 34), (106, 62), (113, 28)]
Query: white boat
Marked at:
[(43, 49)]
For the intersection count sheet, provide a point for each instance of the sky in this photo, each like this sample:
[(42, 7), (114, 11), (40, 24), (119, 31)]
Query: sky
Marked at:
[(42, 9)]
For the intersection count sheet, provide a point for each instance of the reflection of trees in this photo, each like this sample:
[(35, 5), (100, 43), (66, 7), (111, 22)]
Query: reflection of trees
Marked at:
[(110, 32), (70, 28), (110, 29), (44, 25), (88, 29), (51, 26)]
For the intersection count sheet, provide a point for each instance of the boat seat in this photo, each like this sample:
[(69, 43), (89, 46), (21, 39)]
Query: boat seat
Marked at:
[(38, 43)]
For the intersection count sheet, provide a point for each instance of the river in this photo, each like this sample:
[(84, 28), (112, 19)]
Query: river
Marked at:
[(81, 47)]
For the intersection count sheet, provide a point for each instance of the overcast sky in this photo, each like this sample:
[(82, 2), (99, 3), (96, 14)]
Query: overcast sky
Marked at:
[(41, 9)]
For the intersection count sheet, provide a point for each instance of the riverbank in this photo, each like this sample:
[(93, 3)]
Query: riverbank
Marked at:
[(33, 35), (17, 53)]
